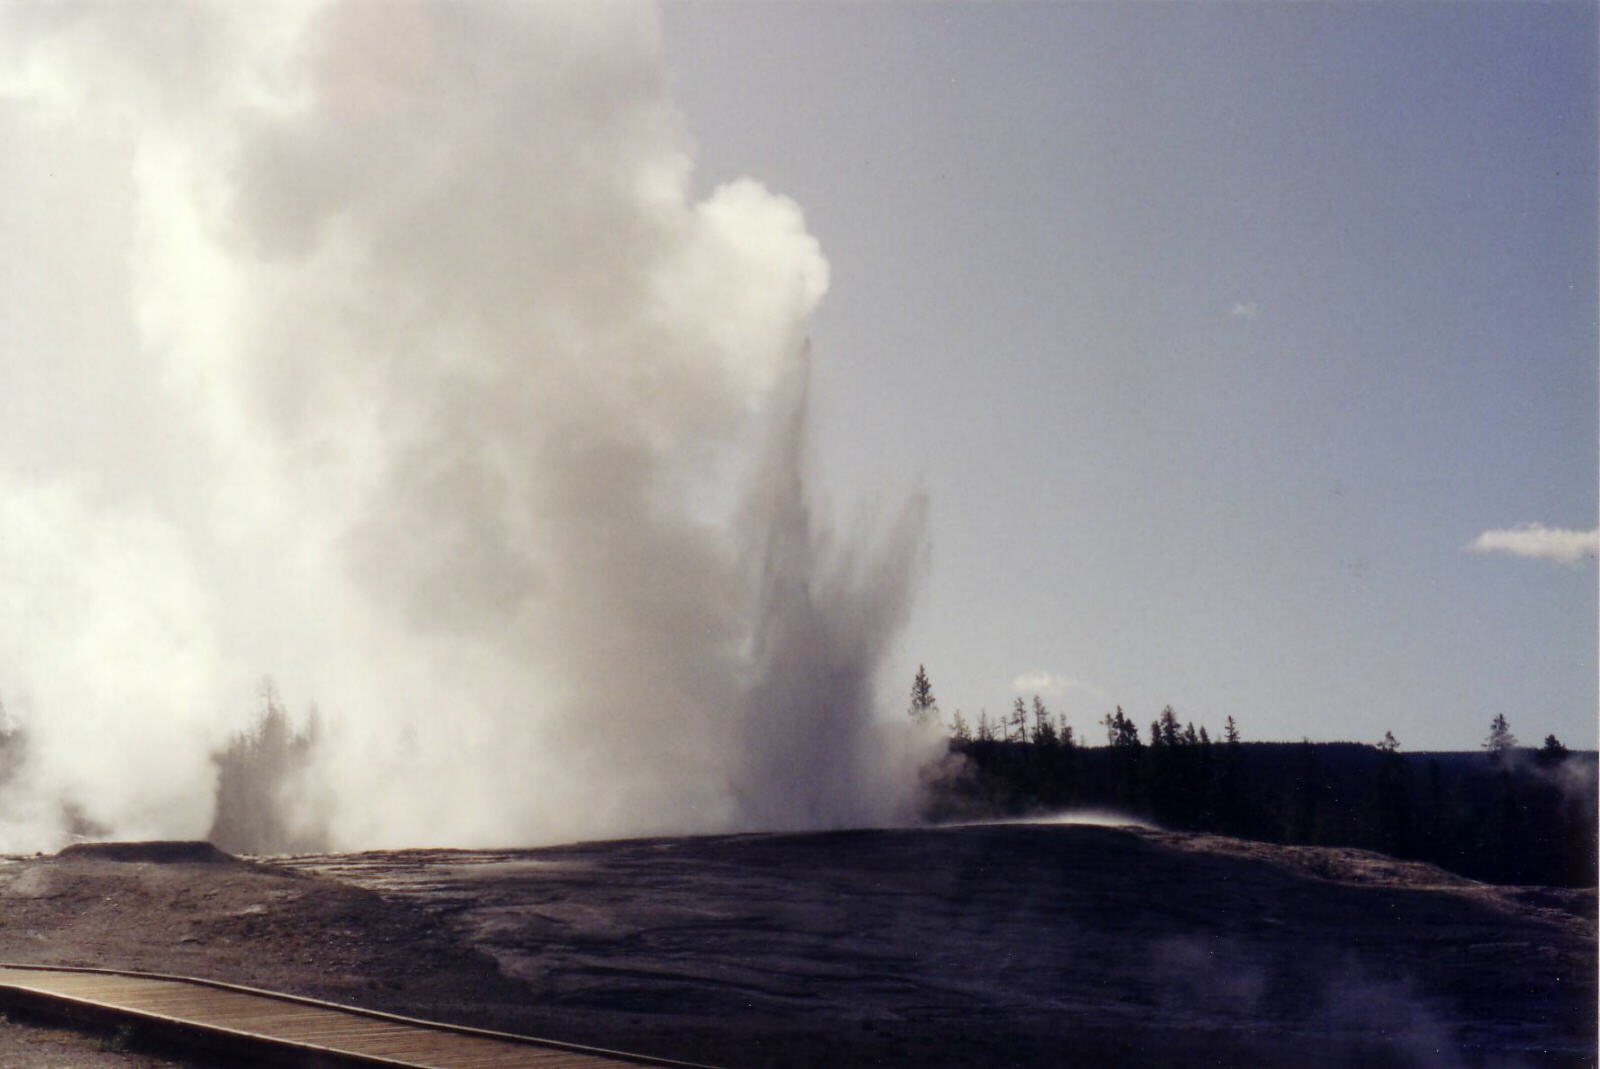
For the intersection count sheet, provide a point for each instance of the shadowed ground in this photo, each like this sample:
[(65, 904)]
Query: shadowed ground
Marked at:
[(1043, 945)]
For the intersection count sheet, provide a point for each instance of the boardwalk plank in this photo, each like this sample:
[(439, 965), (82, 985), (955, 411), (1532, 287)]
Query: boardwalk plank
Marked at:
[(289, 1022)]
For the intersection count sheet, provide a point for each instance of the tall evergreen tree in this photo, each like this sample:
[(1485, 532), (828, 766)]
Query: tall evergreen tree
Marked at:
[(1018, 726), (1044, 729), (924, 707), (1500, 740), (1168, 726)]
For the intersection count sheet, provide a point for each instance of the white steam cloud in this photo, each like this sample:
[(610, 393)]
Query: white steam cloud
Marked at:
[(383, 348), (1537, 542)]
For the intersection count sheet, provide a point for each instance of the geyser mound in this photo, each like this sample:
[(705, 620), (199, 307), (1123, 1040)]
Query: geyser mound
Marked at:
[(157, 852), (404, 365)]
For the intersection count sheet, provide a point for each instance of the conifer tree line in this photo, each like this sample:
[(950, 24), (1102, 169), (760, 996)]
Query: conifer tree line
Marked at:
[(1505, 813)]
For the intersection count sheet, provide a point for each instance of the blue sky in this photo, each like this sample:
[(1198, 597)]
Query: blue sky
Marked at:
[(1215, 334)]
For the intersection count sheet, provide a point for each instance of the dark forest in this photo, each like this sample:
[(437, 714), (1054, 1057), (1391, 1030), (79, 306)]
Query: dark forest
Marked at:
[(1504, 814)]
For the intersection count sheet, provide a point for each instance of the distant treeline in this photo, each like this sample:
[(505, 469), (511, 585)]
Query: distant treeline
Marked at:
[(1505, 814)]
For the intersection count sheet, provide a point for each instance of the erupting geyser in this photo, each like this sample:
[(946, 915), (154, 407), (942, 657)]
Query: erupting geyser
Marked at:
[(385, 349)]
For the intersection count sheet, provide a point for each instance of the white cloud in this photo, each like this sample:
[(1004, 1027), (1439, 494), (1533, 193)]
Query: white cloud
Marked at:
[(1053, 684), (1244, 310), (1538, 542)]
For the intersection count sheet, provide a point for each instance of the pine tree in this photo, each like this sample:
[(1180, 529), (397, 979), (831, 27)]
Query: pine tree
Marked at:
[(958, 728), (1500, 740), (1169, 727), (1019, 721), (924, 707), (985, 729), (1230, 733), (1121, 730), (1044, 729), (1552, 752), (258, 774)]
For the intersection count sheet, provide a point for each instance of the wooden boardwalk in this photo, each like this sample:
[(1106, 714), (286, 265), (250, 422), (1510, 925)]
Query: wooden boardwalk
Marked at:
[(263, 1025)]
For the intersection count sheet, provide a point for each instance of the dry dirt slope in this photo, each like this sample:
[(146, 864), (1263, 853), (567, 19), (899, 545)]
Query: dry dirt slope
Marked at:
[(1021, 945)]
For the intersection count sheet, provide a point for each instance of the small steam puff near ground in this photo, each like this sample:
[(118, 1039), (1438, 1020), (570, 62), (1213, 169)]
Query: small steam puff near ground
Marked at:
[(384, 349)]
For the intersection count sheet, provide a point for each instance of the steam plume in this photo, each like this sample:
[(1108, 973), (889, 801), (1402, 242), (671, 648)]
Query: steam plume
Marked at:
[(384, 348)]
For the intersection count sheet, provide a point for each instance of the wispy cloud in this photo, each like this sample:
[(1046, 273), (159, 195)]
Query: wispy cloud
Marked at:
[(1535, 541), (1244, 310), (1053, 684)]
